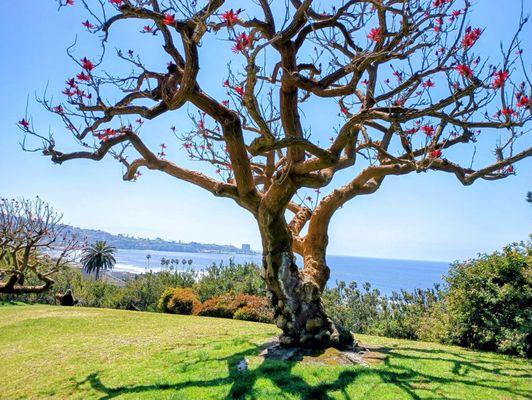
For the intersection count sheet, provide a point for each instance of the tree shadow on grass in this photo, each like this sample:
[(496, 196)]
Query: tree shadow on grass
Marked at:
[(242, 383)]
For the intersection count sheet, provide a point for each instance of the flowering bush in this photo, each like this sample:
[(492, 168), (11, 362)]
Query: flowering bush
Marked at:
[(242, 306), (179, 301), (223, 306), (254, 309)]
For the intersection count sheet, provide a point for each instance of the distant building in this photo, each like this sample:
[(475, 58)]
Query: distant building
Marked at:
[(246, 247)]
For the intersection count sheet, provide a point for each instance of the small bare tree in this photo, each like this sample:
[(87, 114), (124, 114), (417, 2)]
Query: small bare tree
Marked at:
[(403, 75), (34, 245)]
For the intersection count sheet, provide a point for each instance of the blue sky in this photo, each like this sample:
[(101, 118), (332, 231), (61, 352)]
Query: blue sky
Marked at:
[(421, 216)]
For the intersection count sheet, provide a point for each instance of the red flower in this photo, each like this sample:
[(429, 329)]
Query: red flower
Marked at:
[(428, 130), (70, 2), (72, 83), (239, 90), (87, 64), (523, 101), (82, 76), (139, 121), (225, 103), (398, 75), (147, 29), (24, 123), (465, 71), (375, 35), (169, 19), (242, 42), (471, 37), (428, 84), (500, 78), (58, 109), (436, 153), (116, 2), (510, 169), (230, 17), (87, 24), (344, 110)]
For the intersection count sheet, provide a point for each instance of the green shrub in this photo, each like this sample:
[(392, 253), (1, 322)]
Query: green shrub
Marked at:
[(434, 324), (490, 301), (217, 280), (179, 301), (366, 311)]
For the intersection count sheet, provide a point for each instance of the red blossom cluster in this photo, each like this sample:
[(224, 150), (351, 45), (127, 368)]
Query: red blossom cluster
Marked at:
[(169, 19), (162, 153), (428, 84), (375, 35), (523, 101), (230, 18), (73, 89), (499, 79), (471, 37), (106, 134), (87, 64), (147, 29), (441, 3), (242, 43), (464, 70), (428, 130), (24, 123), (87, 24), (238, 89), (436, 153)]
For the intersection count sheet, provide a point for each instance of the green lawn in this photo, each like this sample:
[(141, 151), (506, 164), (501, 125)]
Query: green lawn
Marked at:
[(85, 353)]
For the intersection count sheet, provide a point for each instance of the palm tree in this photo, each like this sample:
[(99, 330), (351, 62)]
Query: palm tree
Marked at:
[(98, 257), (148, 256)]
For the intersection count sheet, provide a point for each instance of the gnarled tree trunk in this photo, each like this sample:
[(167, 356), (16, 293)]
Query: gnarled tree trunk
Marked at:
[(296, 293)]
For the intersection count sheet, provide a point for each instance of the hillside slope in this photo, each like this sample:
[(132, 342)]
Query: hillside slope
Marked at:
[(84, 353)]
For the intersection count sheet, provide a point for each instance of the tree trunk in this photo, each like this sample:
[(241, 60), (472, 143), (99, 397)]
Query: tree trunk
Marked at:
[(296, 294)]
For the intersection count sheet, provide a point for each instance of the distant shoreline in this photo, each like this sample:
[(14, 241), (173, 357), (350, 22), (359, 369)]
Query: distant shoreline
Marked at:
[(127, 242)]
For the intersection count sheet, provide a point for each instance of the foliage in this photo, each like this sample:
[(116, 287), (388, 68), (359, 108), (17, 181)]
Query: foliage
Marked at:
[(486, 304), (222, 306), (98, 257), (254, 308), (236, 278), (241, 306), (179, 301), (30, 231), (367, 311), (490, 301)]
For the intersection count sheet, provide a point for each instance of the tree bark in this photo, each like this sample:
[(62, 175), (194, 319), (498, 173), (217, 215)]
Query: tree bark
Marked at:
[(296, 294)]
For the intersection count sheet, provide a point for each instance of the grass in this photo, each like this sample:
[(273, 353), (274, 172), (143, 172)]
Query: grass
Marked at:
[(85, 353)]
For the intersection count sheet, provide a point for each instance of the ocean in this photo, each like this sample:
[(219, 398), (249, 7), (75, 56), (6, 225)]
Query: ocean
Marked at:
[(387, 275)]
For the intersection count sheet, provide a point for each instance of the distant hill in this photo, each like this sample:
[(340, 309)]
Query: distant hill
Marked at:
[(131, 242)]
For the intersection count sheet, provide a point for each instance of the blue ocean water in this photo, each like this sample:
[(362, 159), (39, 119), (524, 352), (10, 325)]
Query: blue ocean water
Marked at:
[(387, 275)]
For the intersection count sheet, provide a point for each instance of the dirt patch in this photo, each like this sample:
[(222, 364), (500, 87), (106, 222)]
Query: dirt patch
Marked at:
[(360, 354)]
